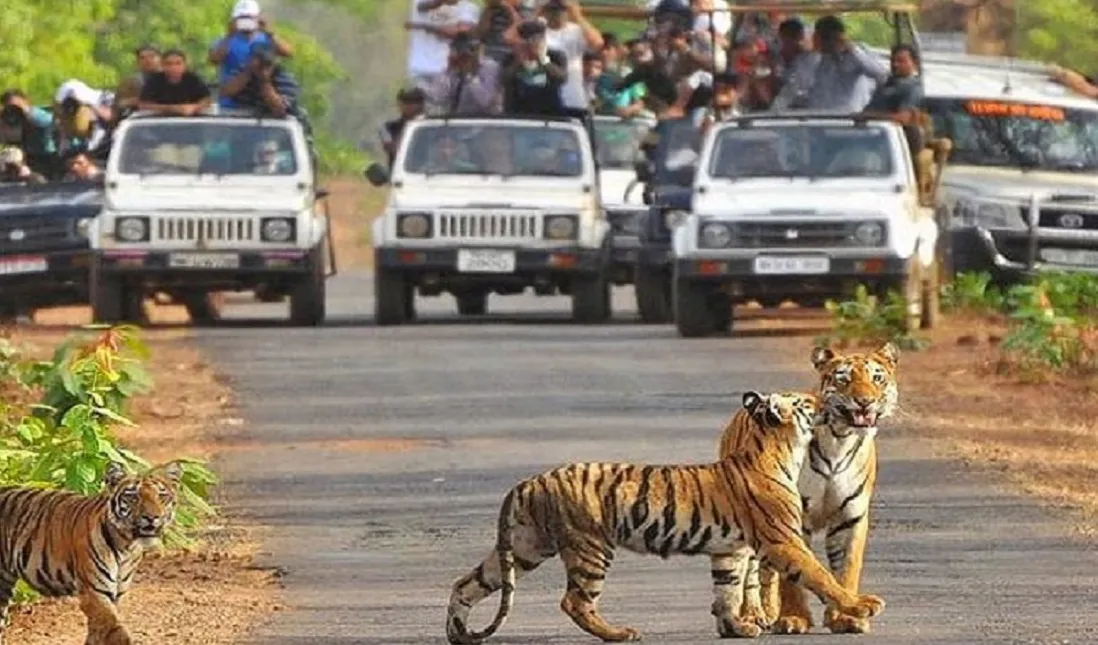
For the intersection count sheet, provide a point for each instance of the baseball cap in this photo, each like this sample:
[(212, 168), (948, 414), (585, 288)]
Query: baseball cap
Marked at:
[(245, 8)]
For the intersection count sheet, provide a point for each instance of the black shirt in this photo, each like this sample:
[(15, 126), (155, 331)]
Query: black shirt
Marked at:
[(190, 89), (533, 91)]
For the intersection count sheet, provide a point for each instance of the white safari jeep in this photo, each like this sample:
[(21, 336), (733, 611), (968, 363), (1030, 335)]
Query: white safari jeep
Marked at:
[(209, 203), (617, 150), (802, 207), (491, 205)]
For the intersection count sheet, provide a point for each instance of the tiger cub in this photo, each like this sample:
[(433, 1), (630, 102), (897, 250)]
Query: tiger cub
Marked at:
[(584, 510)]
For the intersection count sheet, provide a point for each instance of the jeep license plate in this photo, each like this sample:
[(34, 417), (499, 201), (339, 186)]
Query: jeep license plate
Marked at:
[(485, 261), (791, 265), (1077, 257), (23, 264), (204, 261)]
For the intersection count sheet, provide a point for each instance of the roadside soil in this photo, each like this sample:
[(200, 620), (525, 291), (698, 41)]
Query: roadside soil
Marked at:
[(212, 595)]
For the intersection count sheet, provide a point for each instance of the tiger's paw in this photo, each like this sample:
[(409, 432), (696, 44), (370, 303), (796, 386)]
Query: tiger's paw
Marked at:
[(867, 606), (792, 625), (621, 635), (737, 628), (756, 616), (843, 624)]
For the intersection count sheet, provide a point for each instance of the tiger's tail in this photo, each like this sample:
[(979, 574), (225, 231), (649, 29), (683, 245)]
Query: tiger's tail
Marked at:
[(456, 631)]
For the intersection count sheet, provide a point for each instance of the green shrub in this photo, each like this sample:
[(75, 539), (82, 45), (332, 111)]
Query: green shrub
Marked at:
[(867, 319), (62, 437), (972, 293), (1052, 322)]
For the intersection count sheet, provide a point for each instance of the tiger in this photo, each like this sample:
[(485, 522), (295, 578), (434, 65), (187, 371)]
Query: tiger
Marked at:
[(62, 543), (582, 511), (857, 391)]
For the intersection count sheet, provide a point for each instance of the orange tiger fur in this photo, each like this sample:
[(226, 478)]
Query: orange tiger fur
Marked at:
[(64, 544), (583, 511)]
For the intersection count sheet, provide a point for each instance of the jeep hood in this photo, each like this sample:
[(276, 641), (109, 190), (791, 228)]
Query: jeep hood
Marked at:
[(799, 197), (491, 192), (201, 194), (1012, 183)]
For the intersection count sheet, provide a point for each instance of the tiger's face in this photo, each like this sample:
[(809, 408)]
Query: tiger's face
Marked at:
[(858, 389), (795, 411), (142, 506)]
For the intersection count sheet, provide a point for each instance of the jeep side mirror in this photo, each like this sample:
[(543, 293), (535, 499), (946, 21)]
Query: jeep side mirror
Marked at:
[(644, 170), (376, 174), (321, 193)]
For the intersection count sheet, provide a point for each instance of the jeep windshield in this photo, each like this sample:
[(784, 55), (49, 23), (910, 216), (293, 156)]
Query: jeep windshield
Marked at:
[(617, 143), (677, 152), (507, 150), (795, 151), (1009, 134), (195, 147)]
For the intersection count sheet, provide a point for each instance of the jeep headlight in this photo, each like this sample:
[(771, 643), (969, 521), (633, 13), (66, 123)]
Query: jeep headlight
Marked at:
[(83, 227), (987, 215), (671, 219), (715, 236), (414, 225), (277, 229), (132, 229), (869, 234), (561, 227)]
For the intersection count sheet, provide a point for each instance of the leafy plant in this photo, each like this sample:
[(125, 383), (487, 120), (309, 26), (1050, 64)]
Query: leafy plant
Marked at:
[(65, 439), (1052, 322), (865, 318), (973, 293)]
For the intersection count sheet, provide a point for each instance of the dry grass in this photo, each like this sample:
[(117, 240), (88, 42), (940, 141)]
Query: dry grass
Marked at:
[(212, 596)]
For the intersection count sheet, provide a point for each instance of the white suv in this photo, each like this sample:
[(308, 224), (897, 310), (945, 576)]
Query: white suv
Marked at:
[(491, 205), (209, 203), (803, 208)]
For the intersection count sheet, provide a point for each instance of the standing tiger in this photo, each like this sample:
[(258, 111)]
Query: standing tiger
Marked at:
[(583, 511), (63, 544), (857, 391)]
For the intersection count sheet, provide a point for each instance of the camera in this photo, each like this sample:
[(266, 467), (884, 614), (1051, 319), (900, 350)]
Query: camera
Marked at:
[(70, 106)]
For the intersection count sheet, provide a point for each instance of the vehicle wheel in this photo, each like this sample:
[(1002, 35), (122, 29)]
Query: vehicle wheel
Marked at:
[(112, 302), (652, 288), (931, 312), (308, 298), (694, 314), (394, 302), (591, 299), (472, 304), (720, 304)]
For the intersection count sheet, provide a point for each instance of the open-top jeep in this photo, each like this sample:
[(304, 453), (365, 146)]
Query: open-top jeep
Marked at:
[(617, 149), (491, 205), (804, 207), (44, 244), (215, 202)]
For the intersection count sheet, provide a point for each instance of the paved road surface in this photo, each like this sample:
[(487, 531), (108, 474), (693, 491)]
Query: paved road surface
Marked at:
[(379, 457)]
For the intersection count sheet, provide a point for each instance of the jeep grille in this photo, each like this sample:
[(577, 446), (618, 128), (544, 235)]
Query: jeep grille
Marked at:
[(211, 229), (23, 231), (493, 226), (794, 235)]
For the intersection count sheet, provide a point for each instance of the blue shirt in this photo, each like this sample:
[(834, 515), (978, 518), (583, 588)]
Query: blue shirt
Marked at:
[(239, 51)]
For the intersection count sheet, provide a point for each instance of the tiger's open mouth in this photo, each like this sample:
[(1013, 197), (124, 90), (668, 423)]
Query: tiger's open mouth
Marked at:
[(861, 418)]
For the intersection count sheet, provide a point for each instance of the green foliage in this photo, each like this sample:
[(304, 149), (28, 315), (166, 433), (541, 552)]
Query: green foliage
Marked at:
[(63, 437), (1053, 323), (1060, 31), (867, 319), (972, 293)]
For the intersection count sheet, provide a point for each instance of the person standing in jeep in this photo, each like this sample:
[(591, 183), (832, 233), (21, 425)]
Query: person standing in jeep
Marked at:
[(410, 104), (534, 74), (30, 128)]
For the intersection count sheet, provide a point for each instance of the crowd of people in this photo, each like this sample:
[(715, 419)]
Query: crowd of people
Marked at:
[(69, 138), (519, 57)]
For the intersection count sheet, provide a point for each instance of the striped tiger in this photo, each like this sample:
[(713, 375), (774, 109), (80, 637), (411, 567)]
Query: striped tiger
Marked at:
[(63, 544), (858, 391), (583, 511)]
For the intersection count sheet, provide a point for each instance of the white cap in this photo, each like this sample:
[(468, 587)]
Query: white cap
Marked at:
[(11, 155), (79, 91), (245, 8)]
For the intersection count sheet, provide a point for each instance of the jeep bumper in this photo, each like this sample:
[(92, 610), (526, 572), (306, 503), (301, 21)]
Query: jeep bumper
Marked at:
[(225, 270), (527, 261), (28, 281), (1013, 254), (742, 278)]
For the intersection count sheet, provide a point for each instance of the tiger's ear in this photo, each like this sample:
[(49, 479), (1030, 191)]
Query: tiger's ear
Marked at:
[(114, 474), (173, 471), (752, 401), (821, 356), (888, 354)]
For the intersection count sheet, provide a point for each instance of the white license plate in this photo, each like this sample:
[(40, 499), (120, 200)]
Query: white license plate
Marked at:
[(23, 264), (1079, 257), (485, 261), (791, 265), (204, 261)]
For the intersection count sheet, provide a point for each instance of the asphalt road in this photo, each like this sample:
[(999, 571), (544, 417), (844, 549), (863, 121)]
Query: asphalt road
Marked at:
[(379, 456)]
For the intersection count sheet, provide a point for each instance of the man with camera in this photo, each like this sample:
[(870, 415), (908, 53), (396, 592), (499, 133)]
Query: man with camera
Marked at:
[(176, 90), (534, 74), (470, 85), (13, 170), (29, 128), (498, 26), (263, 85), (435, 24), (569, 31), (247, 28)]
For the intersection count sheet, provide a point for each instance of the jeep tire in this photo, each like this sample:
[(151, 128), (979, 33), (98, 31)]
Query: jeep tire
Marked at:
[(112, 300), (203, 308), (472, 304), (394, 298), (590, 299), (308, 305), (695, 316), (652, 288)]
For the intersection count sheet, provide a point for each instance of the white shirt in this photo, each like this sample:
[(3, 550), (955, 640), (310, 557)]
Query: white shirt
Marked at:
[(721, 21), (428, 54), (569, 39)]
